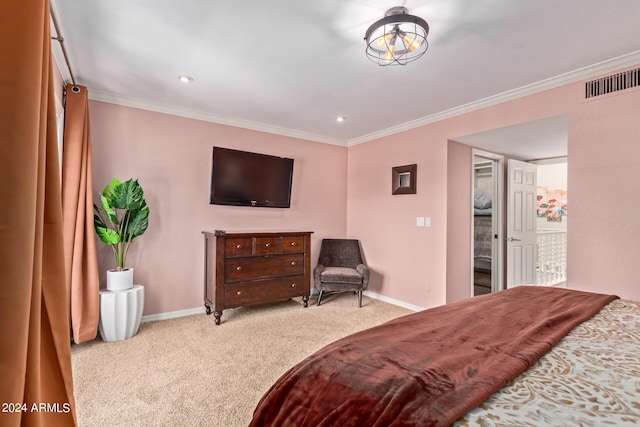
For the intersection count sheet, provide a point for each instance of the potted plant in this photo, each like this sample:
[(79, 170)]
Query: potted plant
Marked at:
[(123, 217)]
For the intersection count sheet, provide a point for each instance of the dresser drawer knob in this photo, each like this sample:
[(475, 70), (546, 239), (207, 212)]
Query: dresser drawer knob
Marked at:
[(238, 246), (268, 245), (293, 263), (293, 243), (239, 293), (238, 268), (293, 285)]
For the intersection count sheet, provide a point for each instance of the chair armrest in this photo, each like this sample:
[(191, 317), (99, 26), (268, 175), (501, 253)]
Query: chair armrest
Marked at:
[(316, 275), (366, 272)]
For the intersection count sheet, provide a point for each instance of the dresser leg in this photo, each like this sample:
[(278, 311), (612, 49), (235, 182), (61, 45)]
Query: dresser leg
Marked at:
[(305, 300), (217, 315), (208, 308)]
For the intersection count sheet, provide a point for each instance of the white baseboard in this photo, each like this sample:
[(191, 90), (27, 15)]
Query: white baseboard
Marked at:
[(393, 301), (373, 295), (202, 310), (172, 314)]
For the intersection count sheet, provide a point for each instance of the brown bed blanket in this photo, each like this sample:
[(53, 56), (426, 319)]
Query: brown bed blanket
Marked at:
[(427, 368)]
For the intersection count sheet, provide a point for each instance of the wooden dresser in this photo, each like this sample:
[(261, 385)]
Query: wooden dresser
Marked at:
[(254, 268)]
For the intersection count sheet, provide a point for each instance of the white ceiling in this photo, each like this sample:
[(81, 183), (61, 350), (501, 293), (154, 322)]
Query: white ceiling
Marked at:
[(292, 66), (535, 140)]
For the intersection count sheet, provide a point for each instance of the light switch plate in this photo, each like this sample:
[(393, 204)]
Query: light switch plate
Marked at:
[(427, 222), (420, 221)]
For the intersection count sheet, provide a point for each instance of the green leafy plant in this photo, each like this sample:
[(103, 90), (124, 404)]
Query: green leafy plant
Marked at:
[(126, 216)]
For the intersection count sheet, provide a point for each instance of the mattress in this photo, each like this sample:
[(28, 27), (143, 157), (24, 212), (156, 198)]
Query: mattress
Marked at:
[(590, 378), (527, 356)]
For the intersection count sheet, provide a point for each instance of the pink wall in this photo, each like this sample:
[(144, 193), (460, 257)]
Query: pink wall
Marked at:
[(347, 192), (424, 266), (420, 265), (171, 157), (459, 163), (405, 260), (603, 178)]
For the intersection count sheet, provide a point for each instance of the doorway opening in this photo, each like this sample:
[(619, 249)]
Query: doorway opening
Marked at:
[(551, 221), (486, 227), (532, 141)]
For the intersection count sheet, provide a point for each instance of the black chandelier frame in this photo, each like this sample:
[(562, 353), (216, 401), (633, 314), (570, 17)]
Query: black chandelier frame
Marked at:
[(395, 45)]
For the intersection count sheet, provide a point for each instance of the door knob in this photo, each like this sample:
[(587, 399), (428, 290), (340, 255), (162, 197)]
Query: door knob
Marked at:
[(512, 239)]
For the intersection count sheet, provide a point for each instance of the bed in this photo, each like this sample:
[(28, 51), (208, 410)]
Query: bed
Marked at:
[(524, 356)]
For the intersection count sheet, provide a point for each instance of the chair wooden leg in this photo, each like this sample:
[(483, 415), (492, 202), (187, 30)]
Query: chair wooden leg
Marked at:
[(359, 299), (320, 297)]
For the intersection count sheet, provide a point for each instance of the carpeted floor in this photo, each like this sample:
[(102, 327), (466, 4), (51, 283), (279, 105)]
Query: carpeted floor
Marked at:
[(190, 372)]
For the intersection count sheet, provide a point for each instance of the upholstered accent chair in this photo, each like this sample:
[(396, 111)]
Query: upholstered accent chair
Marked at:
[(341, 268)]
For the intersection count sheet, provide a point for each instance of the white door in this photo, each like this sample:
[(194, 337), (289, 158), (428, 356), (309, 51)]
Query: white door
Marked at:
[(521, 224)]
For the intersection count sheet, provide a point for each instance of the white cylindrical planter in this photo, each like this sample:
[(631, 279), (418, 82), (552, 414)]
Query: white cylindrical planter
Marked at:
[(120, 280), (120, 313)]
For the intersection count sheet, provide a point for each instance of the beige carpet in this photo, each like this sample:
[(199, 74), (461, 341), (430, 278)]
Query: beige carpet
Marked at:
[(190, 372)]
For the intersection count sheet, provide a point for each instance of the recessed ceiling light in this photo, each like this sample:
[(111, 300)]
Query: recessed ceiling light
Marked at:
[(341, 119), (185, 79)]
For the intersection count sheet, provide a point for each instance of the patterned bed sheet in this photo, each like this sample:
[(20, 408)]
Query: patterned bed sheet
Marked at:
[(590, 378)]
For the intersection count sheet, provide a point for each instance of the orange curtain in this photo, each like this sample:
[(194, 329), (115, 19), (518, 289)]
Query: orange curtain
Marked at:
[(81, 262), (36, 387)]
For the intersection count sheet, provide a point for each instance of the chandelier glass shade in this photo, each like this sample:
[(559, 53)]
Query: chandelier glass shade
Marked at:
[(397, 39)]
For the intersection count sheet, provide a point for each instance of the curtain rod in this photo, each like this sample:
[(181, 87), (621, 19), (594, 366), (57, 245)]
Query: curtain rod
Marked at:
[(60, 40)]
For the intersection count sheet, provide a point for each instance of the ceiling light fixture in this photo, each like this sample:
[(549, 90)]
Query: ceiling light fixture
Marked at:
[(341, 119), (397, 39), (185, 79)]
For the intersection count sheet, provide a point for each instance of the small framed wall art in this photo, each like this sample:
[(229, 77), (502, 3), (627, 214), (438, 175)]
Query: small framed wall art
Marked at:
[(403, 179)]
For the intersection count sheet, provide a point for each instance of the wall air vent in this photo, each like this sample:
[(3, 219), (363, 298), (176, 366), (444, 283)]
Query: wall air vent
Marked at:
[(614, 83)]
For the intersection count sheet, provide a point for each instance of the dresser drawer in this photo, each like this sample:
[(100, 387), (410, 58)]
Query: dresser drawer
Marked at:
[(292, 244), (250, 268), (260, 291), (267, 245), (238, 246)]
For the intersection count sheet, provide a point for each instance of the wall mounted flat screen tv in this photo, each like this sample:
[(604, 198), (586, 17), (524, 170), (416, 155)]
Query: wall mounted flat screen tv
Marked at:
[(241, 178)]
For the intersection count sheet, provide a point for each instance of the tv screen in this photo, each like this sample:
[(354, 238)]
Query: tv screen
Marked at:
[(240, 178)]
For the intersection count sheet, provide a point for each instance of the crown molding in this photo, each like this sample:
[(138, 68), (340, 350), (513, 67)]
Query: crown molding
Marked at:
[(563, 79), (591, 71), (208, 117)]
